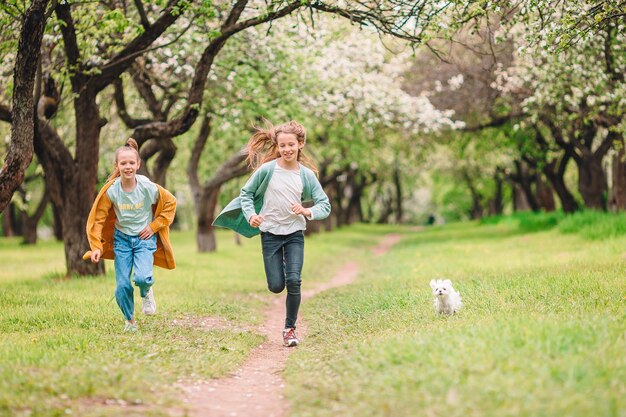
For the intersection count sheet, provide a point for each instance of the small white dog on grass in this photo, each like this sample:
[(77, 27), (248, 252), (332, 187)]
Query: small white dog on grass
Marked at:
[(447, 299)]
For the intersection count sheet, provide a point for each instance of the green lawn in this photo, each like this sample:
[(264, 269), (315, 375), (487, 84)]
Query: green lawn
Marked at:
[(542, 332), (63, 349)]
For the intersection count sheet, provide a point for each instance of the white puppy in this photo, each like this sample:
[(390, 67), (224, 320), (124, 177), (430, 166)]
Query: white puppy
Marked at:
[(447, 300)]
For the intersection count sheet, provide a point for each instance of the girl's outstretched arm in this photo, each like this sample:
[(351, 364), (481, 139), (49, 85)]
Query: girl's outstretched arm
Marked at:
[(321, 204)]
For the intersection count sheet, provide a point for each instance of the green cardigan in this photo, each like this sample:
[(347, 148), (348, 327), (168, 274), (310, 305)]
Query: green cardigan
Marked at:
[(237, 213)]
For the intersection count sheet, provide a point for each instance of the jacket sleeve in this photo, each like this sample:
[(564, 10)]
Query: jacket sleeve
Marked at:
[(166, 216), (321, 204), (246, 197), (96, 220)]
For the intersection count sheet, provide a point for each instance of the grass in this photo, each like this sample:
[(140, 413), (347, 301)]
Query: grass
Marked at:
[(541, 332), (63, 350)]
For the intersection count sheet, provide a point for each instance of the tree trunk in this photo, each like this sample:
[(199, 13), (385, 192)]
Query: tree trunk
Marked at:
[(205, 236), (31, 222), (397, 181), (30, 231), (496, 205), (520, 203), (20, 151), (10, 227), (476, 212), (354, 211), (525, 180), (592, 183), (618, 175), (205, 197), (57, 224), (387, 210), (72, 182), (555, 172), (545, 196), (338, 209)]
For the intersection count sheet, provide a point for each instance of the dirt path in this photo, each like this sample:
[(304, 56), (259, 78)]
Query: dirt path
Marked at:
[(256, 389)]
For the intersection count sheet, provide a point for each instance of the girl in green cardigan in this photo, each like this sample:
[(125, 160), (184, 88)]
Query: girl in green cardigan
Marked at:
[(270, 203)]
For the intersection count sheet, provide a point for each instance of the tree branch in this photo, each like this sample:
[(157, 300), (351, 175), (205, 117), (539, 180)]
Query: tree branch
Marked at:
[(68, 30), (181, 124), (120, 63), (120, 102), (142, 15)]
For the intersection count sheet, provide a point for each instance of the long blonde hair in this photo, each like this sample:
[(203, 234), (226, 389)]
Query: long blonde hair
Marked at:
[(263, 147), (131, 144)]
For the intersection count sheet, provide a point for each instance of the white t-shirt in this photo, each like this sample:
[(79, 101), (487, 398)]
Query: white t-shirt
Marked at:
[(133, 209), (284, 189)]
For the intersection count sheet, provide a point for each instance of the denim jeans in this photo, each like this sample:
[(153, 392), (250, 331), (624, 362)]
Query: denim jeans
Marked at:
[(135, 255), (283, 257)]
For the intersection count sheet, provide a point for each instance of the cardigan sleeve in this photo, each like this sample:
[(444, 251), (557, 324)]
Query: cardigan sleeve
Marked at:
[(96, 220), (247, 194), (321, 204)]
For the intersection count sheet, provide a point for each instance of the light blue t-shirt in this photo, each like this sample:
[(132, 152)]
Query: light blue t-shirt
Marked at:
[(133, 209)]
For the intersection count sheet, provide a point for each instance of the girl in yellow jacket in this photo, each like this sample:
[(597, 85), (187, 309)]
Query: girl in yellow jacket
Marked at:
[(129, 222)]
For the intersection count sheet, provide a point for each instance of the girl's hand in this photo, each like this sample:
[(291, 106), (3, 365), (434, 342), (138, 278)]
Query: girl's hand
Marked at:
[(95, 256), (298, 209), (256, 220), (146, 233)]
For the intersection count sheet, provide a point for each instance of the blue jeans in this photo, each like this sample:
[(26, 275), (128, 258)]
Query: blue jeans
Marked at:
[(283, 257), (135, 255)]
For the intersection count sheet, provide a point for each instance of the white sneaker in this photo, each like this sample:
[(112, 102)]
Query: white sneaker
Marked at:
[(289, 337), (130, 327), (149, 305)]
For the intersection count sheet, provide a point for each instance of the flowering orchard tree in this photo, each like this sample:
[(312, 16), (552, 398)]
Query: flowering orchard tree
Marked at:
[(348, 89), (94, 43), (574, 97), (562, 86), (279, 73), (370, 124)]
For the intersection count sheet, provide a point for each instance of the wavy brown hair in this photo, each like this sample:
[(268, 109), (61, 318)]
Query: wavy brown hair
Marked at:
[(263, 147), (131, 144)]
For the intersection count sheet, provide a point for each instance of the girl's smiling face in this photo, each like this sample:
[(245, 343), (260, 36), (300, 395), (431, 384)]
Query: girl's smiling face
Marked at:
[(127, 164), (288, 146)]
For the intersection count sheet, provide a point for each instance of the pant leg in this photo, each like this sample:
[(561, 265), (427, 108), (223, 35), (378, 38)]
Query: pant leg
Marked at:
[(294, 259), (143, 263), (273, 260), (122, 248)]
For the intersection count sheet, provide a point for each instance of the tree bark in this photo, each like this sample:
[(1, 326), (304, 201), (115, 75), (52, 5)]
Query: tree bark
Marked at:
[(9, 226), (31, 222), (618, 175), (592, 183), (525, 179), (496, 205), (20, 151), (205, 196), (205, 236), (476, 212), (397, 181), (554, 170), (545, 196), (591, 177), (57, 225), (520, 203)]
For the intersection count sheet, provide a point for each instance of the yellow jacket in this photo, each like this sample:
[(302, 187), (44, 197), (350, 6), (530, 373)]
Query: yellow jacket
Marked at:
[(101, 223)]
